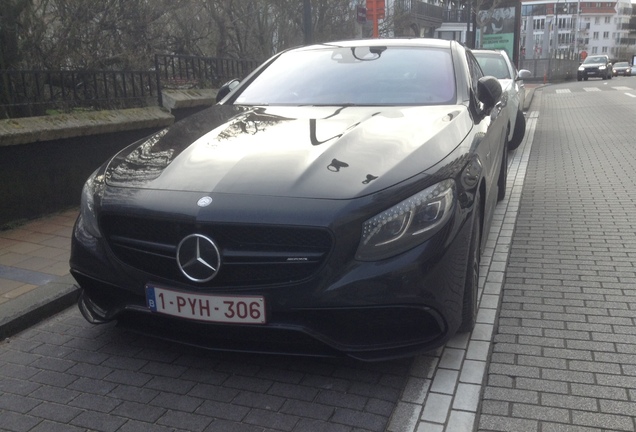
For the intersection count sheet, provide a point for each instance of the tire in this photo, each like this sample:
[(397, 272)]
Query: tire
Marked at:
[(503, 176), (471, 285), (519, 132), (585, 78), (579, 78)]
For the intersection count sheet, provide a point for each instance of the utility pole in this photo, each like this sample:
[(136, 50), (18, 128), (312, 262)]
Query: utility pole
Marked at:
[(307, 25), (576, 30)]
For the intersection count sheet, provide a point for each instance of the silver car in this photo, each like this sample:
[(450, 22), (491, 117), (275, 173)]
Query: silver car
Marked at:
[(498, 64)]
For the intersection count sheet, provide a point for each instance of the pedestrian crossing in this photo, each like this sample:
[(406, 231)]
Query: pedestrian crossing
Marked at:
[(594, 89)]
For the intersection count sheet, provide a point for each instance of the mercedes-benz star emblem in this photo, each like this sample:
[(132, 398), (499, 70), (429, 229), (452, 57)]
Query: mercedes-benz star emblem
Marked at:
[(204, 201), (198, 258)]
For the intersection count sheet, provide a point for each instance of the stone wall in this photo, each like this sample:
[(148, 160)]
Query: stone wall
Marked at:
[(44, 161)]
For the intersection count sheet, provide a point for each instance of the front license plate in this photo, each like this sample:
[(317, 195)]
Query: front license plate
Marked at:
[(206, 307)]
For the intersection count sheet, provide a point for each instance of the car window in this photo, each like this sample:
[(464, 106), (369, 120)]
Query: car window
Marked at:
[(475, 71), (596, 59), (494, 65), (355, 76), (621, 64)]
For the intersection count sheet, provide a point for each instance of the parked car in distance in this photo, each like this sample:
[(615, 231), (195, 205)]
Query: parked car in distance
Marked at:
[(622, 68), (595, 66), (334, 202), (498, 64)]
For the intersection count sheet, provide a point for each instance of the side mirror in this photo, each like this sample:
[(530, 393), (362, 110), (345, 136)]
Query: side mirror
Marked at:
[(524, 74), (488, 91), (226, 89)]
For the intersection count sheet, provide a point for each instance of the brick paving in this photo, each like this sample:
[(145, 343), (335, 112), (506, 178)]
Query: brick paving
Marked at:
[(34, 254), (564, 351)]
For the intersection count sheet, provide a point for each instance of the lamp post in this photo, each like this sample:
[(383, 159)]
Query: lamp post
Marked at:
[(556, 36), (576, 29), (556, 28), (307, 24)]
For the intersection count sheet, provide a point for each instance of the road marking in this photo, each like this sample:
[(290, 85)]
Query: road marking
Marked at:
[(622, 88), (563, 91), (630, 95), (591, 89)]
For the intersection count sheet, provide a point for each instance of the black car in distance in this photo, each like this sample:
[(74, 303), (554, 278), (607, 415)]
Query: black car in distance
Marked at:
[(335, 202), (595, 66), (622, 68)]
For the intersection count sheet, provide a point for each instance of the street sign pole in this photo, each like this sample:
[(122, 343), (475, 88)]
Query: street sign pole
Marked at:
[(375, 12)]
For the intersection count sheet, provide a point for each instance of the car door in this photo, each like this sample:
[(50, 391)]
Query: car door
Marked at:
[(493, 126)]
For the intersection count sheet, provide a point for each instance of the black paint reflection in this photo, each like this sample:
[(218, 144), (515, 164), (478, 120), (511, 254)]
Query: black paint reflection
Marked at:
[(144, 163)]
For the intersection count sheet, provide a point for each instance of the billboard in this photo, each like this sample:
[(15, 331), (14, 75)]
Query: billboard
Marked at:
[(499, 27)]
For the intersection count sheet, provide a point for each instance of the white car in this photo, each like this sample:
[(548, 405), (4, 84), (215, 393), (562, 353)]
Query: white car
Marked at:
[(498, 64)]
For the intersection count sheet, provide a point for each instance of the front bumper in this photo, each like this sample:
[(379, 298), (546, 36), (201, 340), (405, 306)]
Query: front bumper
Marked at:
[(592, 73), (366, 310)]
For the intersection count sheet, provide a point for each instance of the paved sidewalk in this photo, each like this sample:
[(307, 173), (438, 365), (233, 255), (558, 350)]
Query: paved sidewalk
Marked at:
[(564, 349), (34, 272)]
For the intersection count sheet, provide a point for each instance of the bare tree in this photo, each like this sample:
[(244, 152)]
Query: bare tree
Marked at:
[(124, 34), (10, 29)]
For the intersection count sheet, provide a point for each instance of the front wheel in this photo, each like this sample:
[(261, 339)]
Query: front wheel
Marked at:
[(503, 176), (519, 132), (471, 285)]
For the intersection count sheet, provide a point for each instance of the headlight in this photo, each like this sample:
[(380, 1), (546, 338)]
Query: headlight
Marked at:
[(93, 186), (602, 67), (581, 68), (407, 224)]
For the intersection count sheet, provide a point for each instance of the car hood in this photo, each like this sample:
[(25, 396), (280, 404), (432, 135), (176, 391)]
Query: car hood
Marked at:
[(310, 152), (593, 65)]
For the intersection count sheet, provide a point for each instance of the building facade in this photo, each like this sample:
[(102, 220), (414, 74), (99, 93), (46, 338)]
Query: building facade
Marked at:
[(568, 29)]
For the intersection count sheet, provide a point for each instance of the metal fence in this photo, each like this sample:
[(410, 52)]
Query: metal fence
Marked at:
[(553, 69), (181, 71), (27, 93)]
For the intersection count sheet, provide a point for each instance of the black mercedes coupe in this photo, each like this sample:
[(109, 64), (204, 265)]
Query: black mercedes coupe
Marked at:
[(336, 201)]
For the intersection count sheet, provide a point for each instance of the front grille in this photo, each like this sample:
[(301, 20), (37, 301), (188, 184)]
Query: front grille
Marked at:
[(250, 254)]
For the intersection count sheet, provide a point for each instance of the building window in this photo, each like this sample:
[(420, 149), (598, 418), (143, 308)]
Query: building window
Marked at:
[(597, 20), (608, 20), (595, 36), (605, 49), (594, 50), (539, 24), (605, 35)]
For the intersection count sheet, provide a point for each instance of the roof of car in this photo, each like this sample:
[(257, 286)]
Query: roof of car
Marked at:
[(426, 42)]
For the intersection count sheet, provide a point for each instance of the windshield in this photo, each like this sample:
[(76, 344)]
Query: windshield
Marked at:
[(331, 75), (621, 64), (597, 59), (494, 65)]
